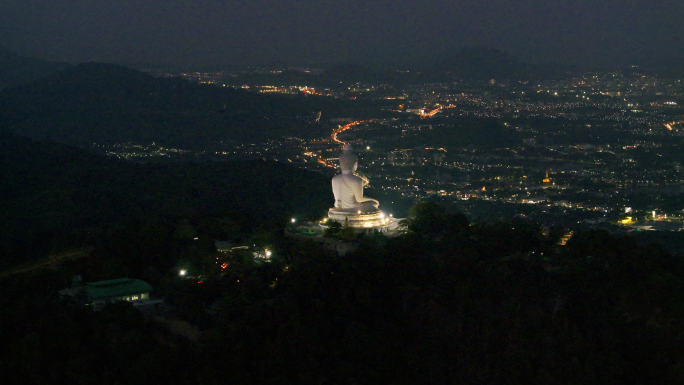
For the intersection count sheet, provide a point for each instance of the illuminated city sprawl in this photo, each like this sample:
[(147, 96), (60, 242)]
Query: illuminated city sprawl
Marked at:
[(581, 148)]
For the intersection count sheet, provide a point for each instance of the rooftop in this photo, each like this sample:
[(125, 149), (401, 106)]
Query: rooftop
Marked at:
[(117, 288)]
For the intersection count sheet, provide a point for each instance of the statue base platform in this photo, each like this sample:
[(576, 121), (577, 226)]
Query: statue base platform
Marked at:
[(367, 222)]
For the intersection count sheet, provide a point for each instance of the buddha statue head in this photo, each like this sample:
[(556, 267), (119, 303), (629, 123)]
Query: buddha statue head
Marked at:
[(348, 160)]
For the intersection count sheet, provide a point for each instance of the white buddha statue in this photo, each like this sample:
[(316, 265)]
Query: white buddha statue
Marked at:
[(348, 188)]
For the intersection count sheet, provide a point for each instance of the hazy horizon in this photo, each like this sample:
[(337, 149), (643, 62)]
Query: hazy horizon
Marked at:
[(214, 33)]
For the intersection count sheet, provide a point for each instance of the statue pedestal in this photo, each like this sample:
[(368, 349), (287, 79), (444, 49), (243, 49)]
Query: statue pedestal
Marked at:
[(367, 222)]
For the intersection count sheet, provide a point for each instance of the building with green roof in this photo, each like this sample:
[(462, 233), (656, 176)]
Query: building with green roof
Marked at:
[(113, 290)]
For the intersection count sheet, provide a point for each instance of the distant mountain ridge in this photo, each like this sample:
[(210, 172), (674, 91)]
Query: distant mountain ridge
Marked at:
[(106, 103), (470, 63), (482, 63), (16, 69)]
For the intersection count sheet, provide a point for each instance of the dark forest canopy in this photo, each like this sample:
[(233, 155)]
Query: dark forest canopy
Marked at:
[(449, 302)]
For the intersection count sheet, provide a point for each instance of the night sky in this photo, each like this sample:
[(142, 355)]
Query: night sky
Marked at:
[(310, 32)]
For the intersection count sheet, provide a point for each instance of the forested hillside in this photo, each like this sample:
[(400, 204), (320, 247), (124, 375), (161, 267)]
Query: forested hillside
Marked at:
[(448, 302), (51, 195)]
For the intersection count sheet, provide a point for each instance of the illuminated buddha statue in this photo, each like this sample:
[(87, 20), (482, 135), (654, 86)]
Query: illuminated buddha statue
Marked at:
[(348, 188)]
